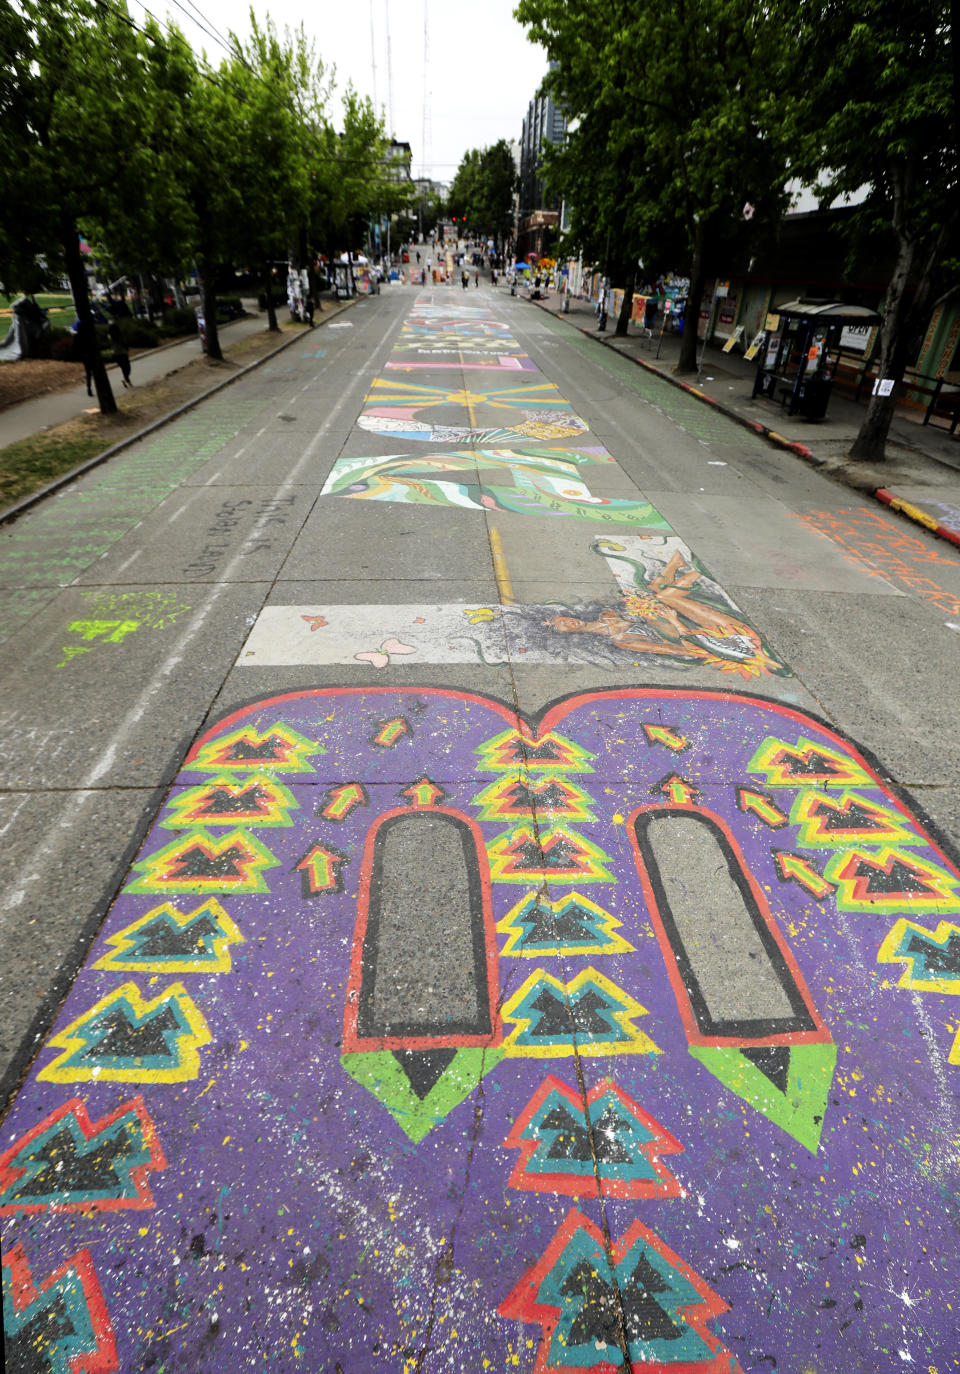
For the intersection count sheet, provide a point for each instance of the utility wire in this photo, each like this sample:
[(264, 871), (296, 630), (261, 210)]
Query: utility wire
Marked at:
[(209, 76), (201, 25), (223, 41)]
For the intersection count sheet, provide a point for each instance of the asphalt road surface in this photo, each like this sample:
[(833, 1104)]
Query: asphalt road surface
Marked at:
[(479, 882)]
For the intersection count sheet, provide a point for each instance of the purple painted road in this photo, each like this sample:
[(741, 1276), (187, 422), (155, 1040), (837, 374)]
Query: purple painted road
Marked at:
[(269, 1161)]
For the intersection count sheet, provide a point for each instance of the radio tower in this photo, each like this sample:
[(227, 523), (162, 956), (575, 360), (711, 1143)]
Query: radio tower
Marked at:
[(390, 129), (426, 165)]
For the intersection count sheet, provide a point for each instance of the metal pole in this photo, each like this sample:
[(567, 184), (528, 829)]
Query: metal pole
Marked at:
[(663, 325), (706, 331)]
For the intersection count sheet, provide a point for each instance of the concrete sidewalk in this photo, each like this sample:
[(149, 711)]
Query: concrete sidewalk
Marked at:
[(54, 407), (920, 478)]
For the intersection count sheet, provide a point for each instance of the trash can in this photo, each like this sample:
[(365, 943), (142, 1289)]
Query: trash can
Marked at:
[(813, 396)]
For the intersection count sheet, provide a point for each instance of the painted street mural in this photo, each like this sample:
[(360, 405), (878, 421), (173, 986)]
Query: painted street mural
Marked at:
[(424, 1036), (509, 449), (663, 606)]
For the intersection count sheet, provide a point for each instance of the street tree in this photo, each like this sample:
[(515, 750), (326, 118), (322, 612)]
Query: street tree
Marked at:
[(483, 188), (272, 78), (686, 118), (247, 165), (498, 183), (352, 177), (24, 230), (82, 145), (158, 239), (465, 187), (881, 113)]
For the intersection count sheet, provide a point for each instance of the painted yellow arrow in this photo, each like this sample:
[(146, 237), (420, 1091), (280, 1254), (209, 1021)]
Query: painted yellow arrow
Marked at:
[(321, 871), (678, 791), (761, 806), (794, 868), (423, 793), (666, 735), (342, 800)]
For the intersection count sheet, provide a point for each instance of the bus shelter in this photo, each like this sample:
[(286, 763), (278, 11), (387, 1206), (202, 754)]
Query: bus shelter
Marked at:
[(799, 358)]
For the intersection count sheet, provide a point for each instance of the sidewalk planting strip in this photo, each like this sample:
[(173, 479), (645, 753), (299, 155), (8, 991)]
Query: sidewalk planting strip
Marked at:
[(11, 512)]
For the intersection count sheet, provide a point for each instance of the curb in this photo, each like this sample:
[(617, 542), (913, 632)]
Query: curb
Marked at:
[(881, 494), (20, 508), (916, 514)]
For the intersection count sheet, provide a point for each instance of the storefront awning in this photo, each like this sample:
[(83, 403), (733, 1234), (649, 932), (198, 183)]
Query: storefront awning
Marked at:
[(828, 312)]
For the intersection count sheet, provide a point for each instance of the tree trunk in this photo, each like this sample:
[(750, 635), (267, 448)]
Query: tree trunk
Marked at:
[(623, 319), (86, 334), (899, 326), (871, 441), (214, 351), (687, 362), (271, 304)]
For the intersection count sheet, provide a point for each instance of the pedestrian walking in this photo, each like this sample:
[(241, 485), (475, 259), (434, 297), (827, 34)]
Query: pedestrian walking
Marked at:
[(476, 278), (121, 354), (464, 280), (308, 309), (418, 257)]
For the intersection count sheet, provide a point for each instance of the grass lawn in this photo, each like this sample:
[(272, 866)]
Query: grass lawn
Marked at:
[(59, 306), (34, 462)]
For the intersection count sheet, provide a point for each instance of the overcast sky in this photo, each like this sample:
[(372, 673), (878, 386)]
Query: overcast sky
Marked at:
[(481, 74)]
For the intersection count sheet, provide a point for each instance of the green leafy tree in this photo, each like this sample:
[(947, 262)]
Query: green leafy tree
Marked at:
[(465, 187), (274, 77), (25, 229), (82, 147), (247, 168), (158, 239), (676, 122), (881, 111), (352, 178), (498, 183), (482, 189)]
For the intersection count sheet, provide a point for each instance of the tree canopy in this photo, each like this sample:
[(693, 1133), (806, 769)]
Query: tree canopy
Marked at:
[(881, 115), (482, 190), (121, 133), (674, 125), (681, 114)]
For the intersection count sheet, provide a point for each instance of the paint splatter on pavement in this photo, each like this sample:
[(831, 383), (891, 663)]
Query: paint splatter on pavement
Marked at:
[(310, 1102)]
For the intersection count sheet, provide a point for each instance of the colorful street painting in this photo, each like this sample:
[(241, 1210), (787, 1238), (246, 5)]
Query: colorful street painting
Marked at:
[(505, 362), (449, 341), (663, 607), (563, 425), (414, 398), (546, 482), (426, 1036)]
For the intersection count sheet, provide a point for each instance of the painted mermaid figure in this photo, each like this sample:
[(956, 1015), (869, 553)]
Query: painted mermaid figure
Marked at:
[(668, 606)]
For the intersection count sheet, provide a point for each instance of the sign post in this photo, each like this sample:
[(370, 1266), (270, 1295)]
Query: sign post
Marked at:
[(667, 307)]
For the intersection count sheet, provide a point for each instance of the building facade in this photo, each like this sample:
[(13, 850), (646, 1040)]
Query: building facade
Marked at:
[(545, 123)]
